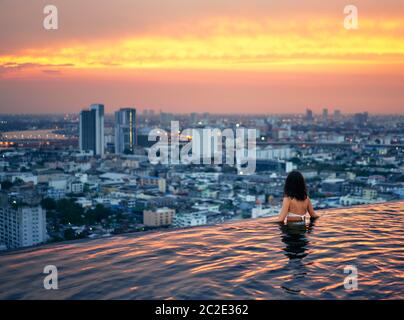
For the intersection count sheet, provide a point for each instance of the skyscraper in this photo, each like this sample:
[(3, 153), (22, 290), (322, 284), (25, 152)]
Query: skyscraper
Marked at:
[(92, 129), (361, 118), (125, 130), (166, 118), (337, 114), (193, 117), (309, 115), (325, 114)]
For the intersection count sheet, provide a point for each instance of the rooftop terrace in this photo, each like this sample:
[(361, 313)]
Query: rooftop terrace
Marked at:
[(249, 259)]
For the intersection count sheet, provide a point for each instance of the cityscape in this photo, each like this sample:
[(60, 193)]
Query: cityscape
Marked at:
[(178, 152), (88, 175)]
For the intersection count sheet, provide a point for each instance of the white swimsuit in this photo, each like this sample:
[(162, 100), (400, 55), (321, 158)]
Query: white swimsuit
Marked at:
[(294, 215)]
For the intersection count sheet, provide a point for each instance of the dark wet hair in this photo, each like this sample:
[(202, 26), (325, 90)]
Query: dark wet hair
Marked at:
[(295, 186)]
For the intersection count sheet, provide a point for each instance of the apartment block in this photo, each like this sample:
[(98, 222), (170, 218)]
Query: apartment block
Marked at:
[(159, 217), (22, 226)]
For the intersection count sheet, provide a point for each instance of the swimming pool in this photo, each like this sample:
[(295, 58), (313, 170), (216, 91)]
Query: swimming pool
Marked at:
[(248, 259)]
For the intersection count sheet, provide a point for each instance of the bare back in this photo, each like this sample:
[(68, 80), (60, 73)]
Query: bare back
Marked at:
[(298, 207), (295, 210)]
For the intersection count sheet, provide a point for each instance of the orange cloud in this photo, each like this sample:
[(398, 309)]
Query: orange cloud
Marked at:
[(232, 44)]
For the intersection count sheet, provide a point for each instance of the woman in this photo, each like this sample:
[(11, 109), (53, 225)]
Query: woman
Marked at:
[(296, 203)]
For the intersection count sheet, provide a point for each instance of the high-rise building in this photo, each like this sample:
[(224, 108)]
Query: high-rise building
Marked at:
[(206, 117), (325, 114), (166, 118), (22, 226), (92, 129), (361, 118), (309, 115), (337, 114), (193, 117), (125, 130)]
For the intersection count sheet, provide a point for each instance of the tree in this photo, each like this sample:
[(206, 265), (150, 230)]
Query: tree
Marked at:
[(48, 204), (69, 211), (296, 160), (6, 185), (18, 181), (97, 214), (69, 234), (246, 215), (86, 188)]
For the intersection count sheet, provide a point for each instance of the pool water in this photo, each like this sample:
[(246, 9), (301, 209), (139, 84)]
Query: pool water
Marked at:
[(248, 259)]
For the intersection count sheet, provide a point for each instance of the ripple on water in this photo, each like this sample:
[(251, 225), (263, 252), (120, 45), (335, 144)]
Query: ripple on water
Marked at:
[(252, 259)]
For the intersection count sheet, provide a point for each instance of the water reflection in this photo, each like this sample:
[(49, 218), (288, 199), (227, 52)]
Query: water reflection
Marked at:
[(248, 259), (294, 236)]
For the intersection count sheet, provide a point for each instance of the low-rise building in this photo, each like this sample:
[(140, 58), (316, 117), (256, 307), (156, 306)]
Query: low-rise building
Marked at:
[(159, 217), (369, 193), (76, 187), (192, 219), (355, 200), (84, 202), (259, 211)]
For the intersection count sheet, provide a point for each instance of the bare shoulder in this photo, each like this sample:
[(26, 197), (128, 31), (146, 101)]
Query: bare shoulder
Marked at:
[(286, 200)]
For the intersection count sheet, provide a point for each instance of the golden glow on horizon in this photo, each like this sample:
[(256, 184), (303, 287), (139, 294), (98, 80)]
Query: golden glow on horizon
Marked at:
[(231, 44)]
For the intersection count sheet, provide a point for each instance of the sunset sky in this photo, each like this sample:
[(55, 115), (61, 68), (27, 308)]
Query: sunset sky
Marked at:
[(219, 56)]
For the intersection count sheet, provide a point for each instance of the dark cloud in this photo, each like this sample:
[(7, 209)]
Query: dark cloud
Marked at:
[(20, 66), (52, 72)]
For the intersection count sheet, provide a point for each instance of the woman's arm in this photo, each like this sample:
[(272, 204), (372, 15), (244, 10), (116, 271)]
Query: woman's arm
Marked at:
[(284, 210), (311, 210)]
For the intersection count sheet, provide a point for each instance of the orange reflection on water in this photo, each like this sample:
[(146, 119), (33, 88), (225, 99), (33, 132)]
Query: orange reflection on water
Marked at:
[(248, 259)]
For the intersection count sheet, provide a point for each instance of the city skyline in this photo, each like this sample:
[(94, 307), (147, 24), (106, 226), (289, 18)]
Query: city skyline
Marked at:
[(179, 57), (204, 150)]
